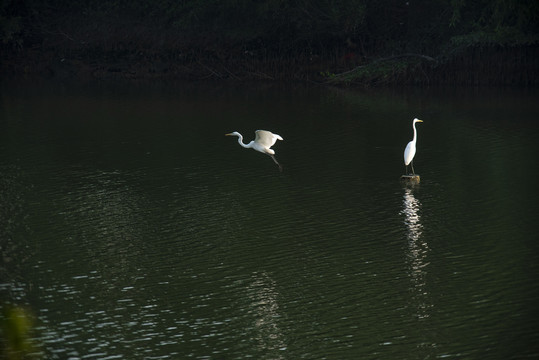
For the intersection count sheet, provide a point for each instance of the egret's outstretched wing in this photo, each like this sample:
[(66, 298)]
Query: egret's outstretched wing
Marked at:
[(266, 138)]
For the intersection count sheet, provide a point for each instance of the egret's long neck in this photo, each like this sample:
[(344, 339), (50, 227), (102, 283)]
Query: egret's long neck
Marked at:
[(415, 133), (240, 141)]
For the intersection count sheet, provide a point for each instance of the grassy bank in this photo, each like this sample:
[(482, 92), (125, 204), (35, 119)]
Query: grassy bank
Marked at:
[(350, 42)]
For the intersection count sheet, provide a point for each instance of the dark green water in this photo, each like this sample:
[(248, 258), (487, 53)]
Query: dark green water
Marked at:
[(134, 229)]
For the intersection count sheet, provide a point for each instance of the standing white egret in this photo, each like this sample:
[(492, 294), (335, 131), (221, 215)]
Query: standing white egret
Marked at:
[(409, 152), (263, 141)]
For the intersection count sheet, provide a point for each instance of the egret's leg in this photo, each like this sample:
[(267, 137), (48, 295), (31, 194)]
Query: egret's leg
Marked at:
[(275, 160), (412, 164)]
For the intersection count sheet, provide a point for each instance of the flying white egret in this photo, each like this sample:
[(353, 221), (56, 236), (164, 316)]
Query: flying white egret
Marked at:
[(409, 152), (263, 141)]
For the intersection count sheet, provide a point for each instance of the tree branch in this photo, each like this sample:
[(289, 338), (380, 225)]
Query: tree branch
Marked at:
[(387, 59)]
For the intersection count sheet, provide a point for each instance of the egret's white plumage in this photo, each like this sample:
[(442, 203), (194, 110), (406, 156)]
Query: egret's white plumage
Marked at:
[(263, 142), (409, 152)]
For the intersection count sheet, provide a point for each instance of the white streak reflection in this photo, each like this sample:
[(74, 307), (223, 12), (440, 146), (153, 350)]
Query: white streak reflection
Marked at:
[(417, 252), (265, 310)]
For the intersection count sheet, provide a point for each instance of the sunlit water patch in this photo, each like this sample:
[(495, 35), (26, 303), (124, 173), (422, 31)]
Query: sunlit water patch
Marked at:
[(133, 228)]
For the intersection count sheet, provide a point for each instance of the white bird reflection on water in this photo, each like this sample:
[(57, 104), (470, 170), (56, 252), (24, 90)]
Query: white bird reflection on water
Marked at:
[(418, 251)]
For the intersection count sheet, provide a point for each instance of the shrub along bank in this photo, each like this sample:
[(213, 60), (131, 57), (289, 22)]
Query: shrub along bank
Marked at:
[(365, 42)]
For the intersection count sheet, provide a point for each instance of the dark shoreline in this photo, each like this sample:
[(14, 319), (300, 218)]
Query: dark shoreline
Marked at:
[(479, 66), (345, 43)]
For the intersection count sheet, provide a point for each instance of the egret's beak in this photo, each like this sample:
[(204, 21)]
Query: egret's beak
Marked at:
[(228, 134), (419, 120)]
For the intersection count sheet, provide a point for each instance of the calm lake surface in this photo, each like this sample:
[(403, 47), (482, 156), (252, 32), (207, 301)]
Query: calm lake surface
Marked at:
[(132, 228)]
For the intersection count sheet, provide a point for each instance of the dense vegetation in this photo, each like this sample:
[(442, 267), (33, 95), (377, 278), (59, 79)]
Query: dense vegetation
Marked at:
[(338, 41)]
